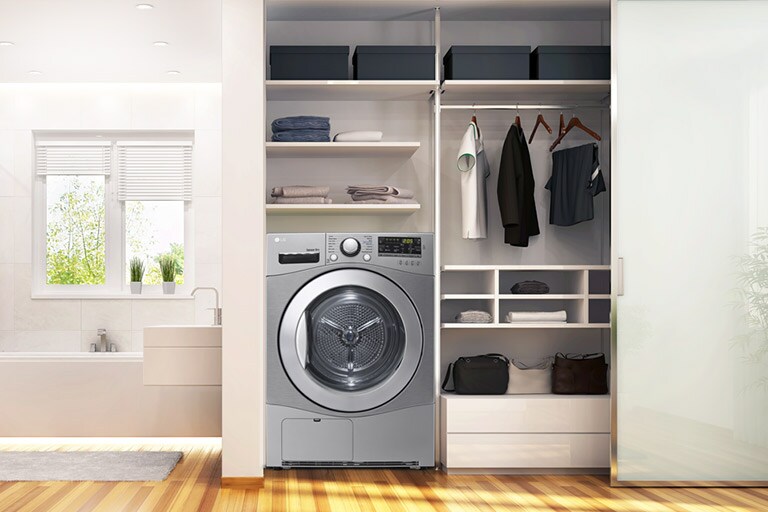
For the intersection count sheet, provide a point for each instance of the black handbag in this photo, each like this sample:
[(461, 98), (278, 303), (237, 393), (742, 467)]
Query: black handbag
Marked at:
[(478, 375), (580, 374)]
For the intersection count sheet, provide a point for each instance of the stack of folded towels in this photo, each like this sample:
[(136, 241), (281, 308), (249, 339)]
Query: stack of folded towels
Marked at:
[(301, 129), (535, 317), (380, 194), (530, 287), (301, 194), (474, 317)]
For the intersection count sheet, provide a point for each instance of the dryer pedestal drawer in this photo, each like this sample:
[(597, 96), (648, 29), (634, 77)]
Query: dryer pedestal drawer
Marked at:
[(527, 451)]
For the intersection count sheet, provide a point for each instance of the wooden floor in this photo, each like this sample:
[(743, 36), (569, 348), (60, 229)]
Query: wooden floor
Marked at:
[(194, 486)]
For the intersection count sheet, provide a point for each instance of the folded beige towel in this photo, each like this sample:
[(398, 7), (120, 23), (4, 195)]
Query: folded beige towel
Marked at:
[(379, 190), (303, 200), (537, 316), (474, 317), (383, 200), (358, 136), (300, 191)]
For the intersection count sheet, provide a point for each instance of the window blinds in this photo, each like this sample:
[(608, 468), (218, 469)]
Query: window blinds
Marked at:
[(154, 171), (61, 158)]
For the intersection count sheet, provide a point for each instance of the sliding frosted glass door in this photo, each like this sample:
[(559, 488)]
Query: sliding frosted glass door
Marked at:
[(691, 229)]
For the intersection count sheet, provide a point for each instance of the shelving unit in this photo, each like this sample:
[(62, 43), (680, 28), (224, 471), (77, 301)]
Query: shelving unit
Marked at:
[(341, 149), (575, 288), (526, 91), (341, 209), (350, 90)]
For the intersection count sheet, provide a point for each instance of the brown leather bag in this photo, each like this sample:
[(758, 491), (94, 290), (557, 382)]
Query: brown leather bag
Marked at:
[(580, 374)]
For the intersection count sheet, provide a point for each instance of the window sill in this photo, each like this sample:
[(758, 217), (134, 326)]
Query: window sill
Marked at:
[(109, 296)]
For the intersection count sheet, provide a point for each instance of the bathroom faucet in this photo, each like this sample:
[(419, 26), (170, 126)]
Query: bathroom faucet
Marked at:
[(103, 339), (217, 309)]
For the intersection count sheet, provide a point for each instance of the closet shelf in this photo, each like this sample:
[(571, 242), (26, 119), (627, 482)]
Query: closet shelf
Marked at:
[(542, 396), (350, 90), (341, 209), (545, 296), (521, 325), (341, 149), (521, 268), (467, 296), (526, 91)]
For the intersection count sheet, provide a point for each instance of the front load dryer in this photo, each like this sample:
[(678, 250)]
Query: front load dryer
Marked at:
[(350, 349)]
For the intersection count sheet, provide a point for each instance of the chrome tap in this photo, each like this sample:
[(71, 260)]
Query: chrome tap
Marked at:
[(103, 347), (217, 309)]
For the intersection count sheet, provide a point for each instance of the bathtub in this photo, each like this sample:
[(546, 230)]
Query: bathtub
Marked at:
[(92, 394)]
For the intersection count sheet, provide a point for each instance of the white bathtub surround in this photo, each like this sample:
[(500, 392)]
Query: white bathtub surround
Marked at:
[(45, 324), (182, 355)]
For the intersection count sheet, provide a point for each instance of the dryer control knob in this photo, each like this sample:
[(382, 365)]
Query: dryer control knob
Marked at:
[(350, 247), (366, 257), (333, 257)]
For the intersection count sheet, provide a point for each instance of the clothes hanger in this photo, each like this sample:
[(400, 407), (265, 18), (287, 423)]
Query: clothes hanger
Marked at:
[(474, 119), (517, 117), (575, 122), (561, 129), (539, 121)]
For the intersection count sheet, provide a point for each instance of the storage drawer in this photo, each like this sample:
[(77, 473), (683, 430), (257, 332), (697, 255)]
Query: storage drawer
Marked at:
[(309, 62), (194, 366), (394, 63), (571, 63), (487, 63), (527, 414), (527, 451)]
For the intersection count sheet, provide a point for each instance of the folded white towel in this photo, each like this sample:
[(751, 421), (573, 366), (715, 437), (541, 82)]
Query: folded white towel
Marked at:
[(379, 190), (383, 200), (358, 136), (537, 316), (474, 317), (303, 200), (300, 191)]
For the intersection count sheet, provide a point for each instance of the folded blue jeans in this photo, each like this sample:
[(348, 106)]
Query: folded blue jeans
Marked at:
[(302, 136), (301, 123)]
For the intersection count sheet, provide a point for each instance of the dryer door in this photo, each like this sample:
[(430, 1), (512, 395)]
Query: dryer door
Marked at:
[(350, 340)]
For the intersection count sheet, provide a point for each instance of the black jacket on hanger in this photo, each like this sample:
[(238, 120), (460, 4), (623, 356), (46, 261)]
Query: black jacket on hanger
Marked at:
[(515, 190)]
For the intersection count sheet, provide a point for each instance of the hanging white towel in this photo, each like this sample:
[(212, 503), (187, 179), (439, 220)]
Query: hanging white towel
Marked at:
[(473, 164)]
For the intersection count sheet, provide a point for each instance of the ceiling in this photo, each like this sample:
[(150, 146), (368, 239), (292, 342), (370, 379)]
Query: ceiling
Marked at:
[(110, 41)]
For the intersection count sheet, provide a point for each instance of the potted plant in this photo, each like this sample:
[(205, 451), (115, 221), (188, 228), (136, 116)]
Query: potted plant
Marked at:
[(168, 271), (136, 266)]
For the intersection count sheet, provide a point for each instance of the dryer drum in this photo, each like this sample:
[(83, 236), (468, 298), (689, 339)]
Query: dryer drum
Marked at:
[(356, 338)]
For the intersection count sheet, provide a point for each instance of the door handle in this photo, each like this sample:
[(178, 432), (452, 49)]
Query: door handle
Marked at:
[(620, 277), (301, 340)]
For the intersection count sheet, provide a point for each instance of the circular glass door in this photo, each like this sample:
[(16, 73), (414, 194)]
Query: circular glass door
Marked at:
[(350, 340)]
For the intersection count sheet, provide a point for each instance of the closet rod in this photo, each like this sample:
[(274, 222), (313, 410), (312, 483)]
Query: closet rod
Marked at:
[(521, 107)]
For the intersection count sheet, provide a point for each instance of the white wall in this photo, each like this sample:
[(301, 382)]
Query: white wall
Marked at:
[(70, 325)]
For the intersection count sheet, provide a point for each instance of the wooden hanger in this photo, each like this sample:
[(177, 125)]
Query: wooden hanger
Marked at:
[(561, 129), (539, 121), (575, 122), (517, 119)]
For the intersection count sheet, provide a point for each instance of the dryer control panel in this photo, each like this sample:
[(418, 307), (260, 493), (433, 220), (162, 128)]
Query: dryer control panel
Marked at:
[(411, 252)]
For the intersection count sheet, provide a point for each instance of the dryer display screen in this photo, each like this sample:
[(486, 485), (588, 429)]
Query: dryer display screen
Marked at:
[(399, 246)]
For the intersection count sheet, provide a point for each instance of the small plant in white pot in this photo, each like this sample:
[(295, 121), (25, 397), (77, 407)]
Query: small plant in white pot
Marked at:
[(168, 271), (136, 266)]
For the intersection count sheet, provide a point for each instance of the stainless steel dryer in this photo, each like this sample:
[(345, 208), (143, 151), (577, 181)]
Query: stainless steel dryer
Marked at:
[(350, 375)]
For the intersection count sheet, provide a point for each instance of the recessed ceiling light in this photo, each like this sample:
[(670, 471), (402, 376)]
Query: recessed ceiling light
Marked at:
[(144, 7), (35, 72), (161, 43), (173, 72), (6, 43)]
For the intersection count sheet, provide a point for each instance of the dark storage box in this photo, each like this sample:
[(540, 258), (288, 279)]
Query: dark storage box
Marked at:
[(487, 63), (571, 63), (394, 63), (309, 62)]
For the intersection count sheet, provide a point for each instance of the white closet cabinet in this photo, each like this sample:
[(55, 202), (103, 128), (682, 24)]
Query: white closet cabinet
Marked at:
[(690, 241)]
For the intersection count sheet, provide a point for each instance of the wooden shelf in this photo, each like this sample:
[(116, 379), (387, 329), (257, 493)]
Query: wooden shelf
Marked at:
[(341, 149), (341, 209), (537, 396), (350, 90), (520, 325), (599, 296), (526, 91), (521, 268), (467, 296), (544, 296)]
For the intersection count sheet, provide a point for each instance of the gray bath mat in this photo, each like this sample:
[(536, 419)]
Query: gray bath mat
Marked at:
[(89, 466)]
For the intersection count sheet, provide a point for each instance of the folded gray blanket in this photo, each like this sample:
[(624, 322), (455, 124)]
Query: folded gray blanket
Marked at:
[(303, 200), (383, 200), (474, 317), (300, 191), (379, 190), (530, 287)]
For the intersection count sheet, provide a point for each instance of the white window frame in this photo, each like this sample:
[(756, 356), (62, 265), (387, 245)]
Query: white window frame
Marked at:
[(114, 230)]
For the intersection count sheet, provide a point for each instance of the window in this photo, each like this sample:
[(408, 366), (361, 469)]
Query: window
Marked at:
[(100, 203)]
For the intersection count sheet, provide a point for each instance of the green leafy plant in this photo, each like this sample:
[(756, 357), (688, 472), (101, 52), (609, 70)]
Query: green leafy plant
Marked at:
[(137, 268), (168, 266)]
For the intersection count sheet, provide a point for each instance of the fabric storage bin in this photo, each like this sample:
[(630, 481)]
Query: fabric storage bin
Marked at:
[(309, 62), (487, 63), (571, 63), (394, 63)]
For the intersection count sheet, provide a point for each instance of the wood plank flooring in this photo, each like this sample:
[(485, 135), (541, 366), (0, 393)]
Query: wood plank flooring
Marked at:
[(194, 487)]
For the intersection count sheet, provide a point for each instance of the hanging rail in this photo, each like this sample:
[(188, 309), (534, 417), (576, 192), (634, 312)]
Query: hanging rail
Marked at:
[(522, 107)]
